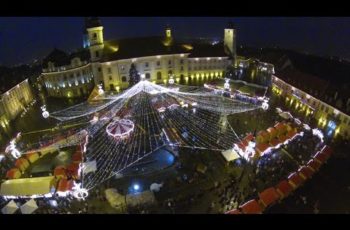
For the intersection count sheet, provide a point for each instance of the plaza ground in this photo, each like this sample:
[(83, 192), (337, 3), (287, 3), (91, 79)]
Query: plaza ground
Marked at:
[(223, 186)]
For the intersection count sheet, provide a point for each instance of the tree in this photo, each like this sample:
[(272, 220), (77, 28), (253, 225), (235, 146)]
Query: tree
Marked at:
[(134, 76)]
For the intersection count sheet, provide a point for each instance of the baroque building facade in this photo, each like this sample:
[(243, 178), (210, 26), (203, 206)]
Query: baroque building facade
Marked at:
[(14, 101), (157, 58)]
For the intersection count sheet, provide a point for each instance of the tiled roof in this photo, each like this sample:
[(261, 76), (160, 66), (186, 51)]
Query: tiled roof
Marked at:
[(139, 47)]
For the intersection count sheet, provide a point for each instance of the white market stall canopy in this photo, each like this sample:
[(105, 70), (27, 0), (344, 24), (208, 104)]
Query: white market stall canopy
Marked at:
[(10, 208), (89, 166), (114, 198), (286, 115), (230, 155), (27, 186), (29, 207), (143, 198)]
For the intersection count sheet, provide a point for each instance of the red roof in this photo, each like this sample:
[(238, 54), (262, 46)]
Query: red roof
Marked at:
[(284, 188), (21, 161), (280, 126), (65, 185), (327, 150), (249, 137), (261, 147), (77, 157), (282, 138), (295, 180), (59, 170), (314, 164), (73, 169), (274, 142), (321, 157), (11, 173), (244, 143), (251, 207), (272, 131), (269, 196), (305, 172), (291, 134), (233, 211)]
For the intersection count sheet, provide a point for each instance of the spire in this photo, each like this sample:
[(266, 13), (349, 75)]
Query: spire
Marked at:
[(91, 22), (167, 27), (230, 25)]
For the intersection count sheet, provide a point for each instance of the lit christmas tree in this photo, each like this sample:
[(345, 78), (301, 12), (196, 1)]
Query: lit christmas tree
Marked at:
[(134, 76)]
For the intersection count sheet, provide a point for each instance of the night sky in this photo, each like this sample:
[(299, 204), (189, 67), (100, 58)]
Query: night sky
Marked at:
[(26, 38)]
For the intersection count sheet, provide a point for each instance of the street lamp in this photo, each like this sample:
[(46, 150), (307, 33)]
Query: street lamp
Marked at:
[(100, 90), (227, 84), (171, 80), (45, 113)]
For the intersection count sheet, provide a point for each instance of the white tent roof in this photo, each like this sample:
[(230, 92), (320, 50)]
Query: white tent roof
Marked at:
[(230, 155), (143, 198), (29, 207), (155, 187), (89, 166), (10, 208), (114, 198), (286, 115), (27, 186)]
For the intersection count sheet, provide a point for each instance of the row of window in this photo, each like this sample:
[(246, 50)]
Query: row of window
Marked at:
[(322, 107), (203, 61), (205, 67), (159, 76), (146, 65), (71, 76)]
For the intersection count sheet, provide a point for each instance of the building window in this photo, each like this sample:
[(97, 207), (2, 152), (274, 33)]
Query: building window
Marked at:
[(97, 54), (158, 63), (110, 78), (95, 35), (181, 61), (123, 68), (159, 75), (182, 68), (99, 69), (169, 62), (109, 70), (146, 64), (123, 79), (148, 75), (170, 73)]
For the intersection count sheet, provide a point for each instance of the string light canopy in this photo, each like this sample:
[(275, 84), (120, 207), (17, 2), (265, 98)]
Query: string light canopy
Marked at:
[(147, 117)]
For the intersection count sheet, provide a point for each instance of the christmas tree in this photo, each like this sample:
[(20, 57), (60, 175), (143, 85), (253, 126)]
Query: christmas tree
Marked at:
[(134, 76)]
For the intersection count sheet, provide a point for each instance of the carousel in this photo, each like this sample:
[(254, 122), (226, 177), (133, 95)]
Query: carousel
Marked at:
[(120, 128)]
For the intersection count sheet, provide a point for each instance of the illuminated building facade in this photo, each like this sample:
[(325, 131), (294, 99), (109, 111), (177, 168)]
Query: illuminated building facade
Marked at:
[(332, 120), (14, 101), (67, 75), (108, 62)]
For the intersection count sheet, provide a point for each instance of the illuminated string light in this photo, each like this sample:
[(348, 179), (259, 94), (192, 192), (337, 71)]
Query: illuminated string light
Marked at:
[(158, 116)]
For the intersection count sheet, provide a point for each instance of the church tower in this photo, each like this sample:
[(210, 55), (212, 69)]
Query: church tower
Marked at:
[(168, 40), (94, 30), (230, 41)]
